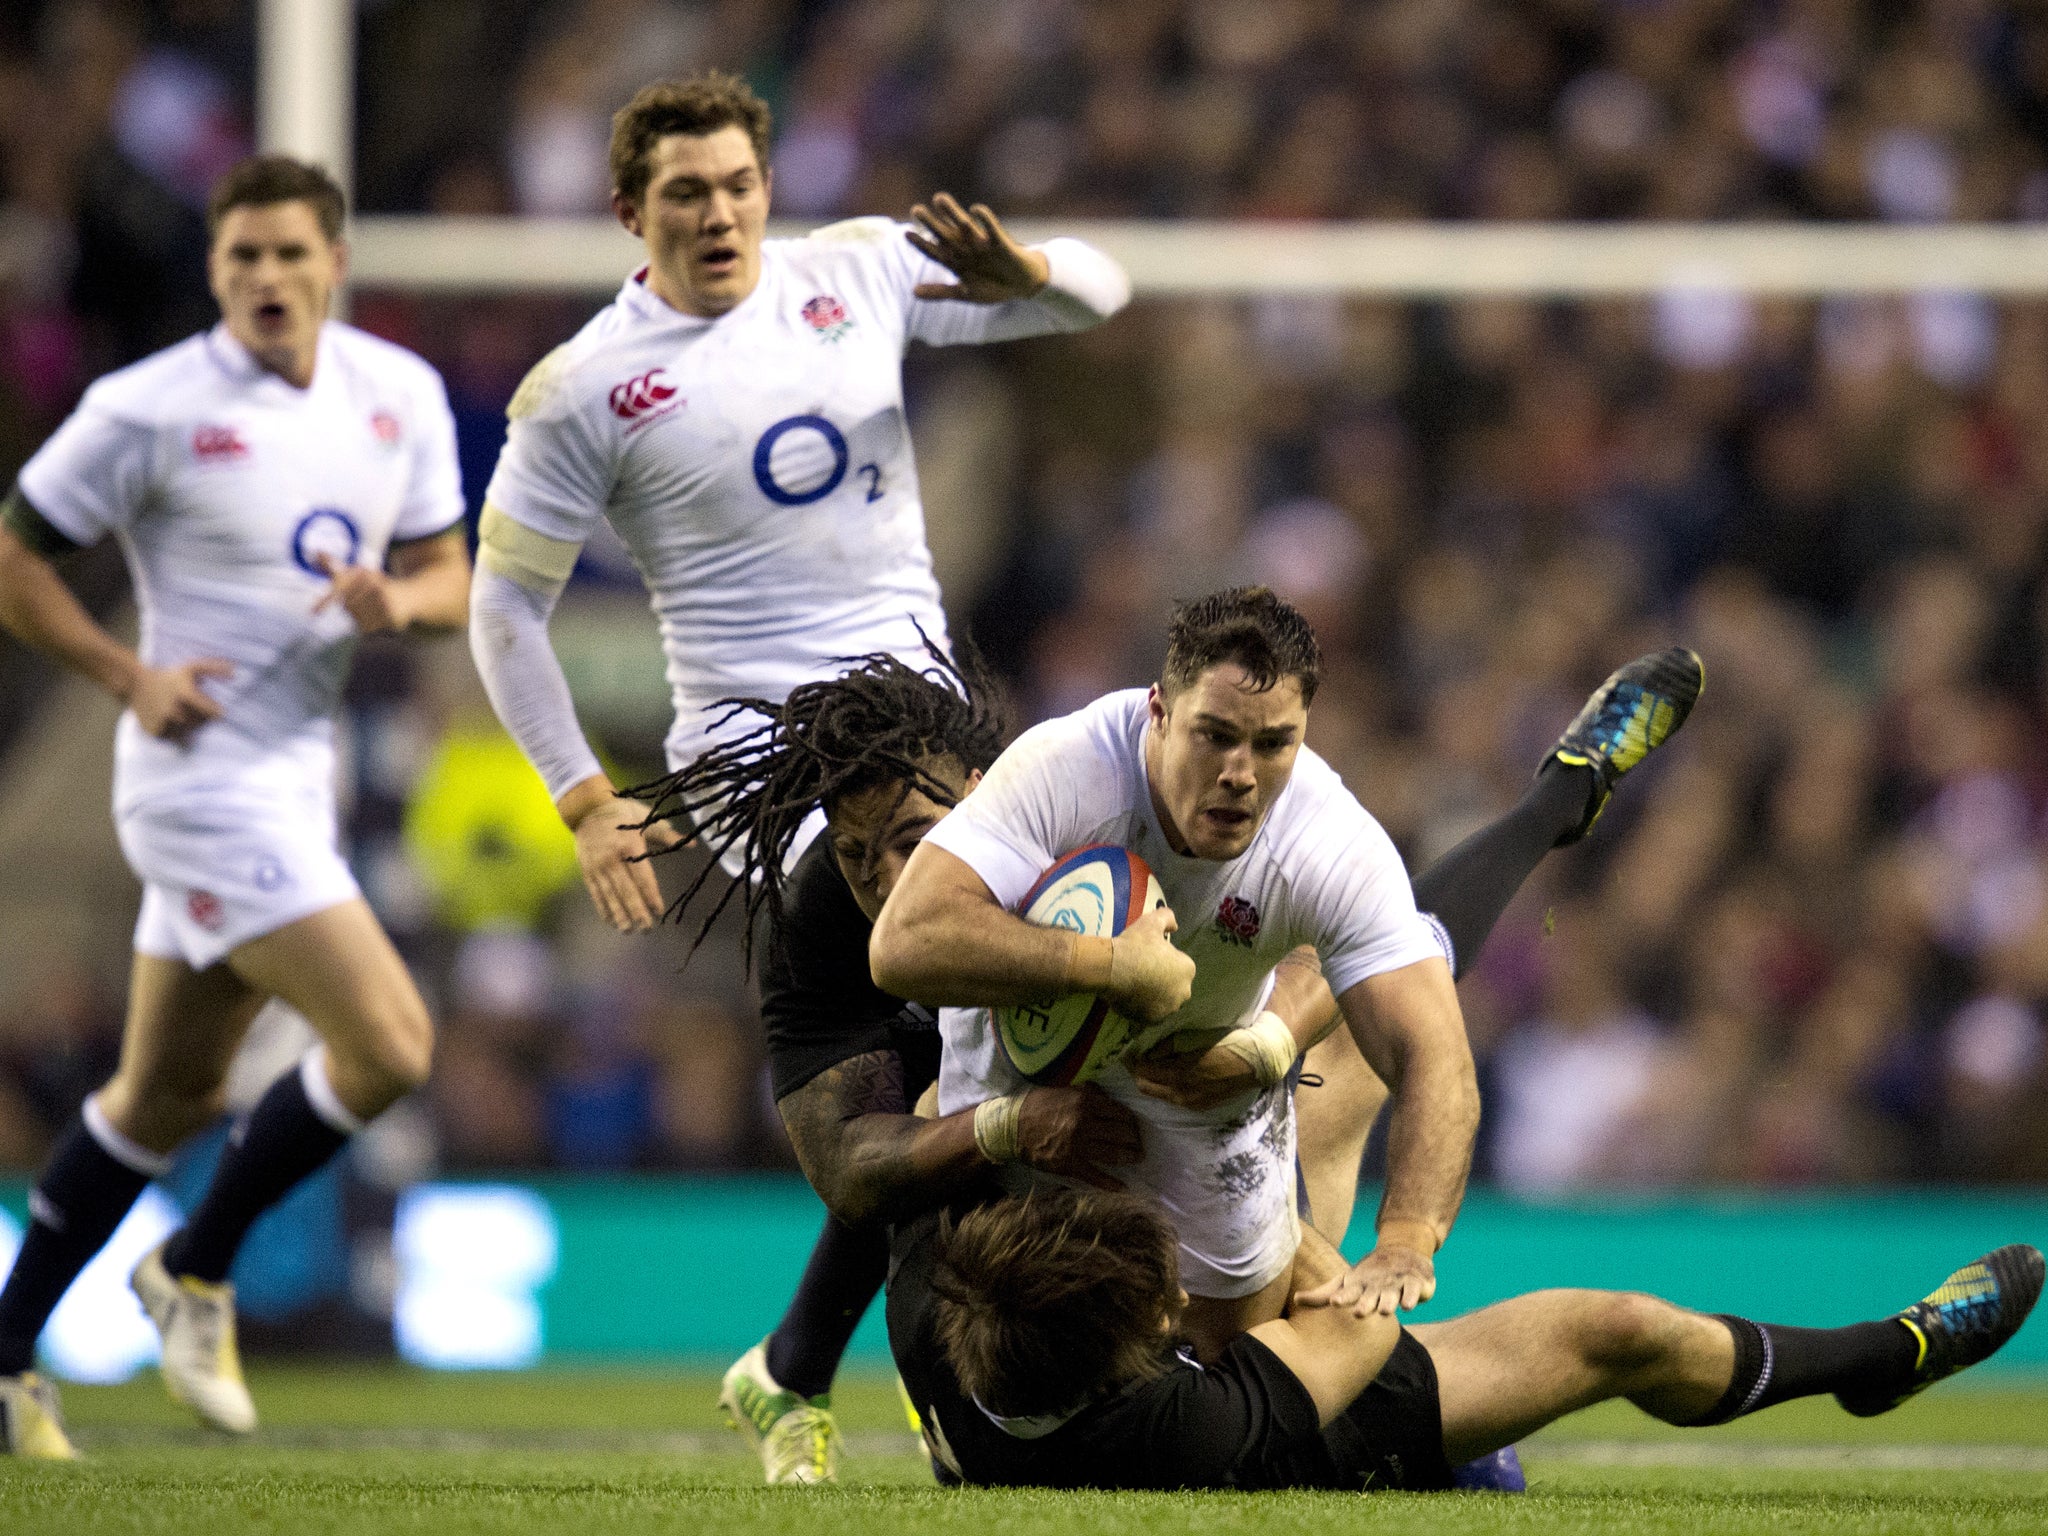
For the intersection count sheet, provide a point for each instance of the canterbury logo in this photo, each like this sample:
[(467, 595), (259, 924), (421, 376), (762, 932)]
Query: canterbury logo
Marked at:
[(636, 397), (214, 444)]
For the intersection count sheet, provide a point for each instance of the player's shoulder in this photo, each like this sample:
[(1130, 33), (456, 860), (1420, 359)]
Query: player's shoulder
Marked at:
[(381, 359), (159, 389), (1318, 814), (583, 370), (1109, 729), (871, 247)]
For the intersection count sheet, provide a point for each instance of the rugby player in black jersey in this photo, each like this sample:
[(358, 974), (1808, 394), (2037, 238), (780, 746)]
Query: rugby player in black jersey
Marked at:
[(888, 750), (1035, 1335)]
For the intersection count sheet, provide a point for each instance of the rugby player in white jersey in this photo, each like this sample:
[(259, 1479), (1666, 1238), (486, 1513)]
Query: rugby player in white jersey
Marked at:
[(280, 485), (1258, 848), (737, 415)]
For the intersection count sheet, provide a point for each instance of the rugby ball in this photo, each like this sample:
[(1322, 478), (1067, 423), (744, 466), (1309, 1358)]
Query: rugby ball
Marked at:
[(1096, 891)]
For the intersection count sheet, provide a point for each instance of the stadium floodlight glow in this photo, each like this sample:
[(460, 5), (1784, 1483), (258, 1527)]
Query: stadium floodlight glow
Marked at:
[(1388, 260), (471, 1261)]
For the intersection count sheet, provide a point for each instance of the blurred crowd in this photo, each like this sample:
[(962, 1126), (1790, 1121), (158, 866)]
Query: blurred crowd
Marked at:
[(1808, 946)]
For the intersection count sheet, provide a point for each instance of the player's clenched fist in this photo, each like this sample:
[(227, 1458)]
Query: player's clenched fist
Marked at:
[(1077, 1133), (169, 703), (1148, 978), (611, 849)]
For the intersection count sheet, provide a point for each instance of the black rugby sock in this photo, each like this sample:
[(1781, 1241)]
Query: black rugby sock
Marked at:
[(1774, 1364), (90, 1181), (847, 1267), (1468, 888), (284, 1138)]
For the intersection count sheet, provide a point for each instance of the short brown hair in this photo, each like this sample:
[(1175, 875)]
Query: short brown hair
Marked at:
[(262, 181), (1048, 1300), (701, 104), (1249, 626)]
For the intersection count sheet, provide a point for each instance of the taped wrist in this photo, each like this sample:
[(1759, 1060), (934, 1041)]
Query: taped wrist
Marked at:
[(1266, 1045), (997, 1132)]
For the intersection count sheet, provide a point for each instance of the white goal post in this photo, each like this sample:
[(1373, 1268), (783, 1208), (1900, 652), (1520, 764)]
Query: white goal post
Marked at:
[(1404, 261)]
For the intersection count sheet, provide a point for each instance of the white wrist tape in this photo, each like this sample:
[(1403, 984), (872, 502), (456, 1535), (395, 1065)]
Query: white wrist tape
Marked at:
[(996, 1130), (1266, 1045)]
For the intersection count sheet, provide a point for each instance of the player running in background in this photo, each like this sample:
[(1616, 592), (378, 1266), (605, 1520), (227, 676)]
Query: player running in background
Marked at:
[(1036, 1339), (279, 485), (737, 415), (888, 750)]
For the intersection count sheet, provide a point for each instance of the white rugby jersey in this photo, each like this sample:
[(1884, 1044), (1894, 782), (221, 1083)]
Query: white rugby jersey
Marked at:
[(223, 484), (758, 464), (1320, 871)]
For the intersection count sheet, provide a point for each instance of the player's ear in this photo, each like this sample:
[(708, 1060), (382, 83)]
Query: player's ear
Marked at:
[(974, 777), (341, 255), (627, 212), (1155, 706), (767, 184)]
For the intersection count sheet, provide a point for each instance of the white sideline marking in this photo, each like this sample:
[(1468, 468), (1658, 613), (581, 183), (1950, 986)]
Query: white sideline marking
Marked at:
[(1795, 1458)]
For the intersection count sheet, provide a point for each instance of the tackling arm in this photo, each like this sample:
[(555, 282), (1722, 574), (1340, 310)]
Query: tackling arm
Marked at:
[(1332, 1352), (870, 1159)]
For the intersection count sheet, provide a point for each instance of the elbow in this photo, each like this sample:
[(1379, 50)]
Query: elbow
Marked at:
[(892, 957)]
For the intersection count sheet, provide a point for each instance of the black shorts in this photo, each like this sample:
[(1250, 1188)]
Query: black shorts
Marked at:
[(1392, 1435)]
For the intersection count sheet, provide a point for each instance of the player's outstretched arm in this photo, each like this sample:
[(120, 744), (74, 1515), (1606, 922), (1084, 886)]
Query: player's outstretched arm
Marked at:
[(944, 939), (1408, 1026), (41, 611), (870, 1159), (1003, 289)]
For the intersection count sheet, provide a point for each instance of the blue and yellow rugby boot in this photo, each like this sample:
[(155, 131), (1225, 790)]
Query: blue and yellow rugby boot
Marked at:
[(1965, 1319), (1628, 717)]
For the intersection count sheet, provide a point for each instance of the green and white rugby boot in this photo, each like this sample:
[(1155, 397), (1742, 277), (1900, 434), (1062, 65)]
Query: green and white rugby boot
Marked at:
[(797, 1436)]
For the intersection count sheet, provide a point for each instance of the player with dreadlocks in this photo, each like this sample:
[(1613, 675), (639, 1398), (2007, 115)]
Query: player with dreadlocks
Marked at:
[(887, 750)]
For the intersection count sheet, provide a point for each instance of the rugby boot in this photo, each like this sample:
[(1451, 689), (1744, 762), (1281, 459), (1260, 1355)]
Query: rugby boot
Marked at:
[(1496, 1472), (31, 1425), (1963, 1320), (1631, 715), (797, 1436), (201, 1366)]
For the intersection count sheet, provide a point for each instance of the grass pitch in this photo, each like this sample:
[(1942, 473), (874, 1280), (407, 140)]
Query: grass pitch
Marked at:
[(356, 1450)]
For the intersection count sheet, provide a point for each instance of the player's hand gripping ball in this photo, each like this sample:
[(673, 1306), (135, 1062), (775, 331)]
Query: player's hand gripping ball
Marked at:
[(1097, 892)]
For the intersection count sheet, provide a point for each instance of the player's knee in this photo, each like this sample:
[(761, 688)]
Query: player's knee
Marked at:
[(160, 1112), (1626, 1329), (394, 1055)]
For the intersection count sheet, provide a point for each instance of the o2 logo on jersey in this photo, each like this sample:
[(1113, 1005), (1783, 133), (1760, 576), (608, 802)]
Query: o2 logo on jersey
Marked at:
[(325, 531), (641, 400), (802, 459)]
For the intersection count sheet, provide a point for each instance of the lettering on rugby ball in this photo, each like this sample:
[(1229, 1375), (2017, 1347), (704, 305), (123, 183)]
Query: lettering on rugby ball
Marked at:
[(1097, 892)]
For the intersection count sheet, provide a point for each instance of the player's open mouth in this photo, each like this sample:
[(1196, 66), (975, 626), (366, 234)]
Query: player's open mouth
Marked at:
[(271, 314), (720, 259), (1226, 820)]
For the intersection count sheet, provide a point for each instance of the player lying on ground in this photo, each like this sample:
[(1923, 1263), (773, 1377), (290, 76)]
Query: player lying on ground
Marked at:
[(1037, 1339), (280, 485), (1259, 849), (736, 414), (888, 751)]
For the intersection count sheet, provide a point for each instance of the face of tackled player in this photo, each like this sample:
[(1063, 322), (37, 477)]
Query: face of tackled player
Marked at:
[(1218, 755), (273, 271), (875, 831), (703, 217)]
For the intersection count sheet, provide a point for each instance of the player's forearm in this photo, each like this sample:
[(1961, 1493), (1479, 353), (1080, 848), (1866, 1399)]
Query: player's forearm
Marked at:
[(1431, 1124), (969, 952), (1083, 286), (37, 608), (868, 1158), (1302, 998), (508, 637), (435, 589)]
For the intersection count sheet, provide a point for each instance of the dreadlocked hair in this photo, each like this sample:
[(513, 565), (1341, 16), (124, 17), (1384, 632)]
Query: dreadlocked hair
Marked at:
[(883, 722)]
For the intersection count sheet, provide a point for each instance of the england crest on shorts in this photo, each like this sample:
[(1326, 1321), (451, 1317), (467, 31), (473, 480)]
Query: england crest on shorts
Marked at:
[(827, 316)]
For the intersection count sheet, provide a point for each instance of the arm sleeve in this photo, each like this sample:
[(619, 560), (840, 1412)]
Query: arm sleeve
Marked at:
[(93, 475), (508, 636), (1357, 890), (1085, 288), (433, 496), (1025, 814)]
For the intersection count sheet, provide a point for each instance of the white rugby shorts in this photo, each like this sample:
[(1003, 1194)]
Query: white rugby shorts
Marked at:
[(217, 873)]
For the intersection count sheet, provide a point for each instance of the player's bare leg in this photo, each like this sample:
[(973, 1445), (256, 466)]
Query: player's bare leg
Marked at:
[(1333, 1120), (183, 1029), (339, 970)]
